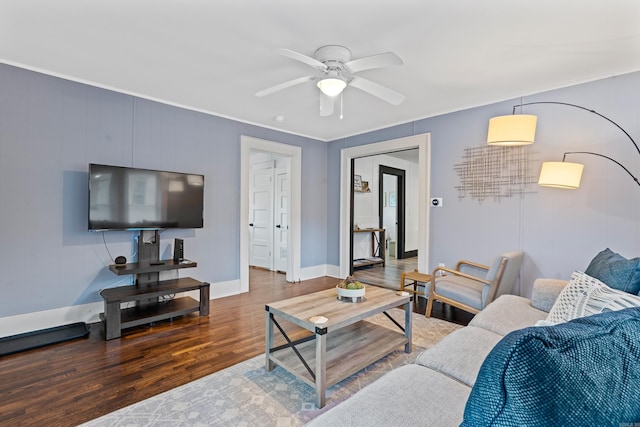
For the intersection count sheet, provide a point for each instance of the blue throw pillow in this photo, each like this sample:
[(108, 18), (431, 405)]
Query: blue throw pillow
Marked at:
[(616, 271), (585, 372)]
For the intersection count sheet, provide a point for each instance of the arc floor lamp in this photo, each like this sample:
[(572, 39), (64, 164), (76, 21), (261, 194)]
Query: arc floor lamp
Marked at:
[(520, 129)]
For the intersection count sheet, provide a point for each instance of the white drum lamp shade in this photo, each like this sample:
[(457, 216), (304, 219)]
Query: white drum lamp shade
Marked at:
[(513, 130), (561, 175)]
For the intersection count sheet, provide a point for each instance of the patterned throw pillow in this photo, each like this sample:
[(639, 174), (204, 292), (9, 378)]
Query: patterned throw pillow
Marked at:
[(584, 296)]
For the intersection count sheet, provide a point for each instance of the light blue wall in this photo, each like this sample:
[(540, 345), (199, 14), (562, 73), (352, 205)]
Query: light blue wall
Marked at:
[(51, 129), (560, 230)]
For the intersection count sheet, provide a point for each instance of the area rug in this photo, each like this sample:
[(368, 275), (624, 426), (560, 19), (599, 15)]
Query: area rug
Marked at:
[(247, 395)]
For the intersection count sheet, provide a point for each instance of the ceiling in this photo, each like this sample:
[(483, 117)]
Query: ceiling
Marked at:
[(213, 56)]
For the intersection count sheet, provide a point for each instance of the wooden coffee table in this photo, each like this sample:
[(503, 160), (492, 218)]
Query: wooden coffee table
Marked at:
[(344, 344)]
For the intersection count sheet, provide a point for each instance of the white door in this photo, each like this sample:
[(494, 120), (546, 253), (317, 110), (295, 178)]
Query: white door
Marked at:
[(281, 234), (261, 215)]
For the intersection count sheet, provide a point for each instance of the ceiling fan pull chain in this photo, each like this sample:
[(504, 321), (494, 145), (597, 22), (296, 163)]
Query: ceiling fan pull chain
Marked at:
[(341, 115)]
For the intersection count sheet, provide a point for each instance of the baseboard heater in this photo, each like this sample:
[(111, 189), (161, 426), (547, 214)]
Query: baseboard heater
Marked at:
[(43, 337)]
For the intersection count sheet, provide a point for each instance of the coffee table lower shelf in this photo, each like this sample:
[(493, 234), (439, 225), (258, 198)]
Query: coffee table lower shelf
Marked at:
[(349, 350)]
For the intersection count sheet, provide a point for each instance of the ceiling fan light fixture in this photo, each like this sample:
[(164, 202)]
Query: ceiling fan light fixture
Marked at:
[(332, 86)]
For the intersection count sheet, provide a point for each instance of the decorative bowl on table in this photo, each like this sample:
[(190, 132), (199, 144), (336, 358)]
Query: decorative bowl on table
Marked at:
[(350, 290)]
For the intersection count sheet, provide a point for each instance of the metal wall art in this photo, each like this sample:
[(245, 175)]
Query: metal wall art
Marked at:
[(497, 172)]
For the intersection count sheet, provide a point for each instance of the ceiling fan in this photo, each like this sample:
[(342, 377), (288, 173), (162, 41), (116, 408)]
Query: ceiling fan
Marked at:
[(337, 71)]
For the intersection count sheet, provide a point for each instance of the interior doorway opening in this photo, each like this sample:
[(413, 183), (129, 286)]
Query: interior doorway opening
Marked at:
[(382, 209), (269, 189), (293, 157), (348, 200)]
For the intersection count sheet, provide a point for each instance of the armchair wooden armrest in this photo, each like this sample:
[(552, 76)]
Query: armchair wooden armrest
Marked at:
[(471, 264), (456, 272)]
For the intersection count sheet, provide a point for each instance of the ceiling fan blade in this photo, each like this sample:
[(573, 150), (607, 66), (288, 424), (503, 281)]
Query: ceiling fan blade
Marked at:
[(284, 85), (302, 58), (374, 61), (375, 89), (326, 105)]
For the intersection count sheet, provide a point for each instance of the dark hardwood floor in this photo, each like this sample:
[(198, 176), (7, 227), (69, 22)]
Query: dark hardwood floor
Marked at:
[(70, 383), (389, 275)]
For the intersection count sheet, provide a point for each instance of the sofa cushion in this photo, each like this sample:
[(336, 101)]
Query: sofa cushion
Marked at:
[(580, 373), (584, 296), (616, 271), (410, 395), (460, 354), (507, 313)]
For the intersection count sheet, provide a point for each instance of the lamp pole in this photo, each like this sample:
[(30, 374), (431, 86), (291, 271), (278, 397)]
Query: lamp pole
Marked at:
[(589, 152), (585, 109), (606, 157)]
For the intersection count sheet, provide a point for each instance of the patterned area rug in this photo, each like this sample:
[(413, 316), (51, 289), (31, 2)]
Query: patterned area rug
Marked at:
[(247, 395)]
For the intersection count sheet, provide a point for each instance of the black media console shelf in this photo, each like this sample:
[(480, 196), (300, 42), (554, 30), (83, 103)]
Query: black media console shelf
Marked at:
[(116, 318), (148, 291), (152, 267)]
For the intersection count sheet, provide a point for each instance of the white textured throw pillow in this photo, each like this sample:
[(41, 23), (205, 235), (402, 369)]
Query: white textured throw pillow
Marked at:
[(584, 296)]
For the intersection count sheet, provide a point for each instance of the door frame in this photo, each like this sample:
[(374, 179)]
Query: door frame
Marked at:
[(400, 174), (423, 143), (247, 145)]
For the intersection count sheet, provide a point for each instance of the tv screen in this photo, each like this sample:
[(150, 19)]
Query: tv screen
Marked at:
[(122, 198)]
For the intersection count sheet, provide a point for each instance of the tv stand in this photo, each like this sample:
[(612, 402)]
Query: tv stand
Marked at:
[(148, 291)]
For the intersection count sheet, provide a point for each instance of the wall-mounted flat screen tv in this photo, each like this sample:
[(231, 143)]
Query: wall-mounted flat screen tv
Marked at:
[(122, 198)]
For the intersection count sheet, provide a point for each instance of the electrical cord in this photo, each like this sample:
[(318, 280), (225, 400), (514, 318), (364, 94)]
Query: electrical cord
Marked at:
[(106, 247)]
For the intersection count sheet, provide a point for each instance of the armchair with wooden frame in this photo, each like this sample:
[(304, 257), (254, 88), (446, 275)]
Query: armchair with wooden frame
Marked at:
[(471, 286)]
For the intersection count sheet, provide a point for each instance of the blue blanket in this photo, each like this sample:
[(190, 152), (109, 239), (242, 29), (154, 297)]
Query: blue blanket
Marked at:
[(585, 372)]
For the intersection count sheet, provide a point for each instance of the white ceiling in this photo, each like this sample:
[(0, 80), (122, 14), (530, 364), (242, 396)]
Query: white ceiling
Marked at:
[(212, 56)]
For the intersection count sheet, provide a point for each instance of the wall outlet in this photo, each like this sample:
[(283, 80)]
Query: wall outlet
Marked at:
[(441, 264), (436, 202)]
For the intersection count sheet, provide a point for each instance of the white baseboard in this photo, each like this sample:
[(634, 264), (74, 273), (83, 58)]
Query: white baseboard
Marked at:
[(224, 289), (36, 321), (319, 271), (333, 271)]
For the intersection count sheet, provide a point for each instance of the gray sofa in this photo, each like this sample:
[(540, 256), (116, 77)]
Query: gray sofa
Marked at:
[(433, 391)]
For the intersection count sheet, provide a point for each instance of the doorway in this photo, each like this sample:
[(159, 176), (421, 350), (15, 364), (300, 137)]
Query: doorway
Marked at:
[(268, 211), (419, 142), (292, 186)]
